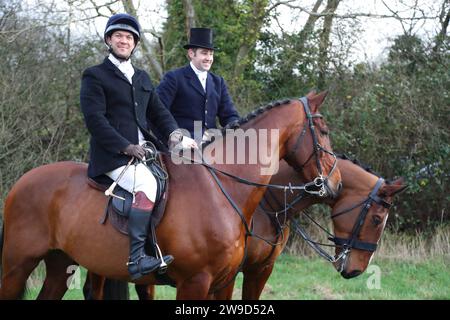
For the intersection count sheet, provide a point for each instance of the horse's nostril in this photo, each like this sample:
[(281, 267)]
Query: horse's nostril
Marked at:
[(339, 186)]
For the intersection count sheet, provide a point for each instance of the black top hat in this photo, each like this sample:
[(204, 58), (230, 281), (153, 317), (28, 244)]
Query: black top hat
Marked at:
[(201, 38)]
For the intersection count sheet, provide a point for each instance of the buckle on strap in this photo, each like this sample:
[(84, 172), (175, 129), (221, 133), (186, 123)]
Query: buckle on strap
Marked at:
[(318, 182)]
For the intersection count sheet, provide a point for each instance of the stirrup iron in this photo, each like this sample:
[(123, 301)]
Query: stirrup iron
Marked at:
[(163, 266)]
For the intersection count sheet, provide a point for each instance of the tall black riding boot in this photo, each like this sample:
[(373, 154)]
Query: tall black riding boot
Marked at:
[(138, 225)]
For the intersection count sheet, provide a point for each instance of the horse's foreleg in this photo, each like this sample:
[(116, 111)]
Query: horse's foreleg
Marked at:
[(96, 285), (58, 271), (225, 293), (145, 292), (101, 288), (194, 288), (254, 282)]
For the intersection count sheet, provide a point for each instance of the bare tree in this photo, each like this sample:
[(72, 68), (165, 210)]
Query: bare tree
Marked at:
[(324, 44), (444, 18), (190, 15), (251, 36), (146, 47)]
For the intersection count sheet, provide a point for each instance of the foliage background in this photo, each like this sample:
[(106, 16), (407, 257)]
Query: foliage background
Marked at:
[(393, 114)]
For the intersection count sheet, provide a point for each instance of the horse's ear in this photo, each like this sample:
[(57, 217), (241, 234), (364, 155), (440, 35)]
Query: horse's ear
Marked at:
[(395, 187), (311, 94), (318, 99)]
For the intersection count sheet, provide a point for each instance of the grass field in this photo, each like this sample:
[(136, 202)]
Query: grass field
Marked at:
[(296, 278)]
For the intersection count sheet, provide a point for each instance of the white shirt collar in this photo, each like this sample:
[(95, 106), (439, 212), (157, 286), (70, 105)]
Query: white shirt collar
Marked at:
[(116, 61), (201, 75), (198, 72), (125, 66)]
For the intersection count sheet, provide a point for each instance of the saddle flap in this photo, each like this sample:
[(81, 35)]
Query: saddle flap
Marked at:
[(122, 207)]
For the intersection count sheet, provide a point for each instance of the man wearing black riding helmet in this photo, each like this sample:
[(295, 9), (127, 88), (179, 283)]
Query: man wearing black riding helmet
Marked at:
[(119, 103), (125, 23)]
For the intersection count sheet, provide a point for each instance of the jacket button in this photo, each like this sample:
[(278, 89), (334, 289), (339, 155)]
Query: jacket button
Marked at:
[(136, 104)]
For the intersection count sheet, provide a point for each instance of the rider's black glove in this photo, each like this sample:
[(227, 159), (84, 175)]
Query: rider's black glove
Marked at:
[(135, 150)]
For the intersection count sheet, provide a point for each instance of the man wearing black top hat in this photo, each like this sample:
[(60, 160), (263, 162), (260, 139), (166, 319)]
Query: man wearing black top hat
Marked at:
[(192, 93)]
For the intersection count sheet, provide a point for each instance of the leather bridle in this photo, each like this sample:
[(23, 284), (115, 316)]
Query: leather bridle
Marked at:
[(320, 181)]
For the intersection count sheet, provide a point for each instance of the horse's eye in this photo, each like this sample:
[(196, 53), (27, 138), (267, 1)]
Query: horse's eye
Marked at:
[(376, 220)]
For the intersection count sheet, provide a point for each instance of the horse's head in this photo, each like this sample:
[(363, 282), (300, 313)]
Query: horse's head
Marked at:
[(359, 221), (308, 149)]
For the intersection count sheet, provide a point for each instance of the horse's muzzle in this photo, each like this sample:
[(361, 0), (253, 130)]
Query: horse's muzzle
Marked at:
[(352, 274)]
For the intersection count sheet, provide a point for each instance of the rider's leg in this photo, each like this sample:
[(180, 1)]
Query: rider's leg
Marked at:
[(140, 180)]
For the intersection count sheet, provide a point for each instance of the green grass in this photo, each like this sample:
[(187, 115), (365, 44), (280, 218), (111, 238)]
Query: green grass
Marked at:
[(296, 278), (312, 279)]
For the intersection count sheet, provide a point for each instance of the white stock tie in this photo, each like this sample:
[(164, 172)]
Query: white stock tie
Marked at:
[(202, 78), (127, 70)]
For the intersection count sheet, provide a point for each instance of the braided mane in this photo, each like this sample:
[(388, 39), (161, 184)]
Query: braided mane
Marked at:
[(366, 167), (250, 116)]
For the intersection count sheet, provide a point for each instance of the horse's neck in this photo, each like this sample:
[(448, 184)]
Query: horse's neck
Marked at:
[(355, 180), (271, 131), (254, 150)]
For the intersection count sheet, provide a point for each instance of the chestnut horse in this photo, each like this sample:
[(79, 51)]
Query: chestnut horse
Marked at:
[(361, 190), (357, 185), (51, 212)]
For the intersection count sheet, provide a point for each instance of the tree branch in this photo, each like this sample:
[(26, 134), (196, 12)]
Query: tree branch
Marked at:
[(146, 46), (190, 16), (348, 15), (309, 25), (324, 44), (444, 19)]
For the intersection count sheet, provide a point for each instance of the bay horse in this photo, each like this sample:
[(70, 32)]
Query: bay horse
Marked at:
[(359, 212), (357, 186), (52, 213)]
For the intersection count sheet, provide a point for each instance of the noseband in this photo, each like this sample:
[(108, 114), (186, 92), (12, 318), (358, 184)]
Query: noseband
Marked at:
[(320, 181)]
